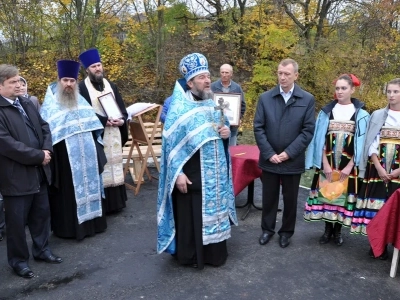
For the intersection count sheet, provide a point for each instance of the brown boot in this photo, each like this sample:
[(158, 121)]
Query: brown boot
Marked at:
[(326, 237), (337, 234)]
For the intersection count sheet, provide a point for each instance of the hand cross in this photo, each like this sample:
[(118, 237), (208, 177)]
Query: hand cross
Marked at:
[(222, 105)]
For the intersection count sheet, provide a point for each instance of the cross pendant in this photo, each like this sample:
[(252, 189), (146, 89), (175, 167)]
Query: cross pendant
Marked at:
[(222, 105)]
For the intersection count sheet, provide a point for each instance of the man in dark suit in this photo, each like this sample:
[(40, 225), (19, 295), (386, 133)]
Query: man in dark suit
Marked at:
[(25, 152), (283, 128)]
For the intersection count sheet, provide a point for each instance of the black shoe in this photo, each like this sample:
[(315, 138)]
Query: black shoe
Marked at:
[(326, 237), (51, 259), (1, 236), (337, 234), (24, 272), (339, 240), (284, 241), (264, 238), (371, 253), (383, 256)]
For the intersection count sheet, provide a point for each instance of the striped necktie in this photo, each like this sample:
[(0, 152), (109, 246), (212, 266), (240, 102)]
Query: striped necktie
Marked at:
[(21, 110)]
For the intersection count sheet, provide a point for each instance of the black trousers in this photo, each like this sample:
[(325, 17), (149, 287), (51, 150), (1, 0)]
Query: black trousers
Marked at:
[(2, 218), (270, 199), (33, 210)]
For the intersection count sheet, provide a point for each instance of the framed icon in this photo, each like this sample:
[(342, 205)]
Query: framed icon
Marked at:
[(232, 103), (110, 106)]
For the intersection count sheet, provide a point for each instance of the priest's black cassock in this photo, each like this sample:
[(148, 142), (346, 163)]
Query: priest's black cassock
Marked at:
[(64, 222)]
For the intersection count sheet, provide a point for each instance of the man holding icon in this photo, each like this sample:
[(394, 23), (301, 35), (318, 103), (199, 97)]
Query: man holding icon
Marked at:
[(94, 88)]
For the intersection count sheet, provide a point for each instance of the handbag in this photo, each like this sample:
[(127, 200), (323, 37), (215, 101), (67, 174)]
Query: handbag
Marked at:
[(333, 192)]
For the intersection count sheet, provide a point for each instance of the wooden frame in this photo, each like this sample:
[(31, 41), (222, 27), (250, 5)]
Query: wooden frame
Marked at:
[(110, 106), (142, 141), (234, 102)]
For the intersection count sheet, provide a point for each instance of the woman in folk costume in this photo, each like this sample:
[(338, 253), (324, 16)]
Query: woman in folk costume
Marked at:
[(379, 165), (335, 150)]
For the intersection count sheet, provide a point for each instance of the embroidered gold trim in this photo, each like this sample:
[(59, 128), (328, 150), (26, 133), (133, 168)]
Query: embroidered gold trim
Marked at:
[(342, 126), (390, 133)]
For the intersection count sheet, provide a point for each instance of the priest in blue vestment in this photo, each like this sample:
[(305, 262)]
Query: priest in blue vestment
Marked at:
[(76, 191), (196, 203)]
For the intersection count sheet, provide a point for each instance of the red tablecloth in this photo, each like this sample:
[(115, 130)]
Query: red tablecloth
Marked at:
[(244, 166), (384, 228)]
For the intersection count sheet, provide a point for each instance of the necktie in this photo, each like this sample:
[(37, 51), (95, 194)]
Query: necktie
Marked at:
[(21, 110), (28, 121)]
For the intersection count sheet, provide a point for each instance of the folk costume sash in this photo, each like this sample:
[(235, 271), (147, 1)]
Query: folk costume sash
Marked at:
[(343, 130), (75, 126), (388, 141), (113, 174), (191, 126)]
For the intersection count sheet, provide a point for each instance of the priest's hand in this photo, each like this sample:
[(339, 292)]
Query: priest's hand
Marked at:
[(181, 183), (224, 132), (47, 157), (117, 122)]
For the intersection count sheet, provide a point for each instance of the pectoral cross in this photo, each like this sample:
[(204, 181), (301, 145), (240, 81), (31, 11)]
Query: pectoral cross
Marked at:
[(222, 105)]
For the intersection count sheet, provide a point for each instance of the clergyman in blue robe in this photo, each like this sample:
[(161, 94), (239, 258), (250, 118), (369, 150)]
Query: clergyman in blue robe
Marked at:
[(195, 205)]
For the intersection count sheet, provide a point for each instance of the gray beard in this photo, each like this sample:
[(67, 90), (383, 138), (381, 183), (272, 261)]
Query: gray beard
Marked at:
[(204, 95), (95, 78), (67, 99)]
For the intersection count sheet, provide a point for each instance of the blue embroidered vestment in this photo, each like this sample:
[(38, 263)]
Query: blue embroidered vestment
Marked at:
[(191, 126)]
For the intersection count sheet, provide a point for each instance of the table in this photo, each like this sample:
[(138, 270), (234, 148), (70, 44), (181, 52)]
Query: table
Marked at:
[(384, 229), (244, 171)]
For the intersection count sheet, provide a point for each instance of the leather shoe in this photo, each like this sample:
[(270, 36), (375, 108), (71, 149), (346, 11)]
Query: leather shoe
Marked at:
[(264, 238), (284, 241), (25, 272), (51, 259), (383, 256)]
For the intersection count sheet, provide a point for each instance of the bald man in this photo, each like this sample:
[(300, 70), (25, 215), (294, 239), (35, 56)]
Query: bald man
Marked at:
[(226, 85)]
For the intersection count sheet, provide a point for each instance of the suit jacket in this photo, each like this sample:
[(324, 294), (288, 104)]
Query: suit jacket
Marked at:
[(18, 160), (280, 126)]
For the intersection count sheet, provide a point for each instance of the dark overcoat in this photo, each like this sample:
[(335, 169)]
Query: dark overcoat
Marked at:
[(18, 160), (280, 126)]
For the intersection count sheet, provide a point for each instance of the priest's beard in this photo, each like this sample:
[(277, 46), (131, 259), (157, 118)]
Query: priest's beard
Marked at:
[(96, 77), (204, 94), (67, 97)]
